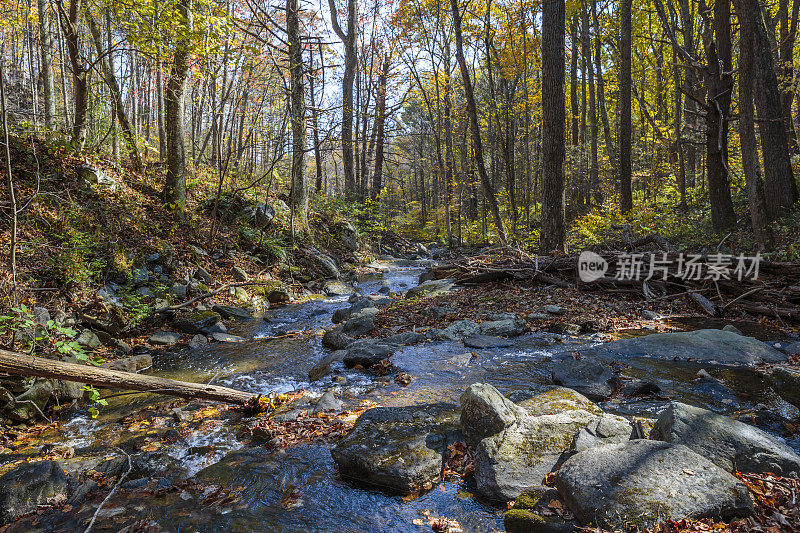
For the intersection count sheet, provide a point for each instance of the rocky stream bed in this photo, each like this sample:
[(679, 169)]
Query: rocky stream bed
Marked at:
[(578, 428)]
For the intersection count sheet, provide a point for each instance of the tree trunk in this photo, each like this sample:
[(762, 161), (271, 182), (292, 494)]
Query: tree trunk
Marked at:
[(116, 94), (175, 185), (719, 84), (779, 186), (46, 46), (298, 112), (380, 119), (788, 37), (553, 223), (573, 81), (69, 23), (28, 365), (625, 192), (472, 113), (601, 92), (594, 170), (315, 132), (755, 195), (350, 45)]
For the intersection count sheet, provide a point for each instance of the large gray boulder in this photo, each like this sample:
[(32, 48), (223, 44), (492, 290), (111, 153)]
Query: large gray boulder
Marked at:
[(460, 329), (359, 325), (728, 443), (588, 376), (29, 485), (519, 457), (607, 429), (336, 340), (399, 449), (557, 400), (366, 353), (430, 288), (711, 346), (508, 327), (486, 412), (641, 482)]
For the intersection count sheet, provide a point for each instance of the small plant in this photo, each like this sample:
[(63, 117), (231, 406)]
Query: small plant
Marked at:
[(50, 337)]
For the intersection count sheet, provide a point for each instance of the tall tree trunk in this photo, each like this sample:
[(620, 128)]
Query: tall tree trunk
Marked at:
[(594, 169), (472, 113), (719, 83), (601, 92), (553, 222), (625, 192), (350, 59), (779, 186), (298, 112), (380, 118), (315, 133), (175, 185), (573, 81), (448, 138), (759, 218), (46, 47), (70, 22), (116, 94), (788, 35), (678, 125)]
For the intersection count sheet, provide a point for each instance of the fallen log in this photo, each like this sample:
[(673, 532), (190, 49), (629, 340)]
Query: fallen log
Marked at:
[(32, 366)]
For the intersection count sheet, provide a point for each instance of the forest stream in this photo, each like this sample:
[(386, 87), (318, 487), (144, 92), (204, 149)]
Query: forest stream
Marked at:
[(299, 488)]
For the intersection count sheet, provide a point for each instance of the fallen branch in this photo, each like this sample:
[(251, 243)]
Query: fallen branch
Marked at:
[(205, 295), (29, 365), (113, 490)]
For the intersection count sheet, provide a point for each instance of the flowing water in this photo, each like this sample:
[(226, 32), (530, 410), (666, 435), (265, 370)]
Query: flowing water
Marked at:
[(320, 499)]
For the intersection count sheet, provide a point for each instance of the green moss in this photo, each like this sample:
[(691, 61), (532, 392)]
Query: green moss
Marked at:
[(528, 499), (522, 520), (268, 287), (199, 316)]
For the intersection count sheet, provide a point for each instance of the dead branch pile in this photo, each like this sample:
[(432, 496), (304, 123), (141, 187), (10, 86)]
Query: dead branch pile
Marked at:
[(719, 284)]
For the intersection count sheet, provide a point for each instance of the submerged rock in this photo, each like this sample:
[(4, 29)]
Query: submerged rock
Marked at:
[(588, 376), (323, 367), (641, 482), (398, 448), (726, 442), (786, 382), (705, 345), (486, 341), (23, 489)]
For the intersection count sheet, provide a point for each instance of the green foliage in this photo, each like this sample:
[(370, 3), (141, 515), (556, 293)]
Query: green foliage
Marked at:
[(48, 336)]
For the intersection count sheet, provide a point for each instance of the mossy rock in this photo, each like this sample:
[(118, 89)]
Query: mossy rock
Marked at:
[(529, 498), (522, 520), (273, 290)]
